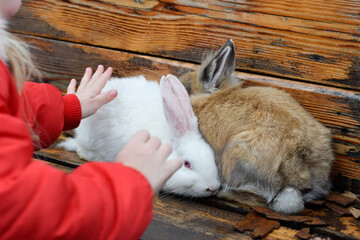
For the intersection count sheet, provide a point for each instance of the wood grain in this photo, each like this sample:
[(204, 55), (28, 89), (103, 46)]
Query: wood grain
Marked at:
[(58, 166), (338, 109), (213, 218), (192, 220), (316, 41), (179, 218)]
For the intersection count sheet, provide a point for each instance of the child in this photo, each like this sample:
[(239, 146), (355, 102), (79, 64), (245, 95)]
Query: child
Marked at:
[(97, 200)]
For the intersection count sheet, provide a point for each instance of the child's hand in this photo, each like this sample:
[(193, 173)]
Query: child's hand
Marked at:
[(148, 155), (89, 90)]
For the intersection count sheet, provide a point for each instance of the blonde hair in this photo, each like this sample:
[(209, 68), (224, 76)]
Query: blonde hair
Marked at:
[(16, 54)]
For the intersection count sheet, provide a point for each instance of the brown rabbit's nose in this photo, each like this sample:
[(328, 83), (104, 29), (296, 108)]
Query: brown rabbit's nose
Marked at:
[(305, 190)]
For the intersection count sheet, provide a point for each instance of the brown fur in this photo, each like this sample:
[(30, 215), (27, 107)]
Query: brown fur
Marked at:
[(261, 136)]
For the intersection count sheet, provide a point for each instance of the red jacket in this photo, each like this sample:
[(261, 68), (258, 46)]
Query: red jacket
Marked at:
[(37, 201)]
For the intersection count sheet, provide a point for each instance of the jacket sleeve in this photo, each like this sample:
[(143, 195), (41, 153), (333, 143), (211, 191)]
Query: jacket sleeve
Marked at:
[(47, 112), (96, 201)]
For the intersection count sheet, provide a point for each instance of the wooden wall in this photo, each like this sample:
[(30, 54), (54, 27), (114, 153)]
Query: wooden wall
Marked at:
[(310, 48)]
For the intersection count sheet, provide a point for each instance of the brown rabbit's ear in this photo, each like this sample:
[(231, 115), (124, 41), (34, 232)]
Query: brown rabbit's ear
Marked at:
[(218, 67)]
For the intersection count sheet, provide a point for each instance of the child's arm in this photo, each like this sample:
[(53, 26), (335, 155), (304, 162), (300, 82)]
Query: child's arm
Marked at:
[(89, 90), (48, 113), (96, 201)]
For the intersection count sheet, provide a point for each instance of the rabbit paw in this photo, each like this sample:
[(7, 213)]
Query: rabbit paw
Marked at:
[(289, 200)]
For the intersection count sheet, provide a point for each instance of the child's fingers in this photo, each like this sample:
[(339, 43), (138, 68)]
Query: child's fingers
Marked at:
[(97, 74), (154, 142), (104, 98), (103, 78), (107, 74), (86, 78), (173, 165), (71, 89), (164, 151), (141, 136)]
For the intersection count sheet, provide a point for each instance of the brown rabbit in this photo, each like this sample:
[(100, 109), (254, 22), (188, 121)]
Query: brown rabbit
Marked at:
[(264, 141)]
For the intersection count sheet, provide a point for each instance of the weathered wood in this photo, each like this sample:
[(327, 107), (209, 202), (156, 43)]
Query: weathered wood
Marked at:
[(315, 41), (355, 212), (338, 109), (341, 199), (213, 218), (304, 219), (58, 166), (341, 211), (304, 233), (340, 227), (181, 218), (259, 226), (59, 156), (189, 220)]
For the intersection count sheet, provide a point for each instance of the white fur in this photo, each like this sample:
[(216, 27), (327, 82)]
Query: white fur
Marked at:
[(289, 200), (139, 106), (202, 176)]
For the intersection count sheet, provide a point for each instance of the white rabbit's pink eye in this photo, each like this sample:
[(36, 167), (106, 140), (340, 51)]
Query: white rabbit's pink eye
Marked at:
[(187, 164)]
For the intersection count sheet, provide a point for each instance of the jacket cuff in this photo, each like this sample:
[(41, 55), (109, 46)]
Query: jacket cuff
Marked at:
[(72, 112)]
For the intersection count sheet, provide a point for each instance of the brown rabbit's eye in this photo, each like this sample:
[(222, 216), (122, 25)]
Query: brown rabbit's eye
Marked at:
[(187, 164)]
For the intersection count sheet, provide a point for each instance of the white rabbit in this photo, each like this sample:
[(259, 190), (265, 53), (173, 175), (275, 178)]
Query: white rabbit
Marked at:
[(139, 105)]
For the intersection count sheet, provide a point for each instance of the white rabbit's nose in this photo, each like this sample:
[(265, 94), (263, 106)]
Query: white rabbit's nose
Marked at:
[(213, 189)]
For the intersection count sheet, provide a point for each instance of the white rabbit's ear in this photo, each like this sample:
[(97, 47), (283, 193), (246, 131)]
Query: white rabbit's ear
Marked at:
[(218, 67), (177, 106)]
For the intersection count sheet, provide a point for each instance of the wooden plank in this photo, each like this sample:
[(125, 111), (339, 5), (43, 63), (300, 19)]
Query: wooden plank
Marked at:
[(58, 166), (339, 227), (214, 218), (181, 218), (175, 217), (338, 109), (59, 156), (190, 220), (315, 41)]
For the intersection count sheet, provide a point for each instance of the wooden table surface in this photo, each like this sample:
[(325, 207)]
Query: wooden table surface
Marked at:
[(176, 217)]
